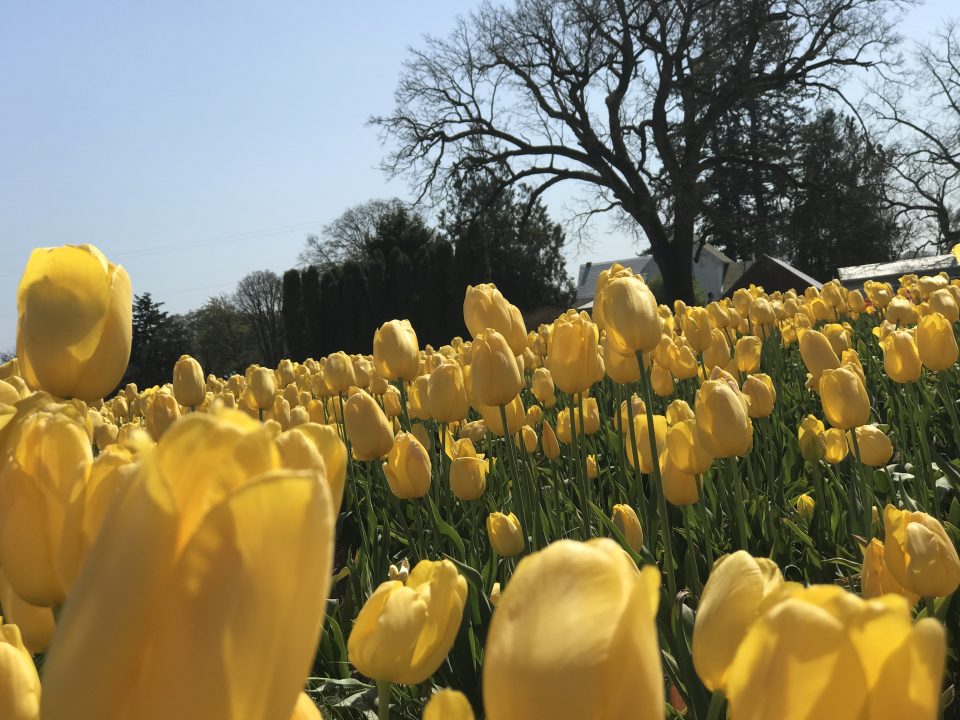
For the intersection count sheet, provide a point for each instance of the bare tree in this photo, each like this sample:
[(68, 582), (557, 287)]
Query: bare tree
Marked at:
[(349, 236), (925, 106), (259, 296), (619, 95)]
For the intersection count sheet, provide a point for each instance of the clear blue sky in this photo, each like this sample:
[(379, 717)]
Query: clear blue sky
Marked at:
[(195, 142)]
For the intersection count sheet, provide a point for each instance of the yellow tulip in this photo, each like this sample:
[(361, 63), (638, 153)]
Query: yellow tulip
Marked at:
[(627, 522), (407, 467), (682, 362), (47, 465), (468, 476), (418, 400), (574, 637), (761, 393), (901, 311), (573, 357), (936, 344), (697, 329), (74, 322), (19, 682), (723, 419), (485, 307), (844, 398), (210, 550), (494, 375), (542, 387), (875, 447), (901, 359), (505, 534), (740, 589), (447, 394), (810, 434), (824, 652), (448, 705), (746, 353), (367, 427), (919, 554), (662, 380), (189, 387), (687, 450), (679, 487), (593, 472), (875, 578), (305, 709), (719, 351), (405, 630), (529, 439), (630, 316), (305, 446), (551, 447), (836, 446), (818, 355), (339, 373), (35, 623), (678, 411), (646, 456), (805, 505), (944, 302), (620, 368), (396, 351), (534, 416), (263, 388)]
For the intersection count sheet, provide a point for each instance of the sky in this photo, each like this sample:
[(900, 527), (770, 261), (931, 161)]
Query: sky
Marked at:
[(195, 142)]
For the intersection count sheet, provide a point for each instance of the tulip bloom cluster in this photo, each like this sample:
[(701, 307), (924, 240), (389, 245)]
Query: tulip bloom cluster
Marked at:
[(519, 524)]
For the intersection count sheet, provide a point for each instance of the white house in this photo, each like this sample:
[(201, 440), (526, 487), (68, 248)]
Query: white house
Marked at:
[(709, 271)]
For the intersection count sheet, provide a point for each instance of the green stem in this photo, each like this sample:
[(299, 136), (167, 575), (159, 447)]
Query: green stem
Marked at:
[(383, 700), (730, 464), (717, 702), (658, 482), (516, 486), (862, 483), (403, 405)]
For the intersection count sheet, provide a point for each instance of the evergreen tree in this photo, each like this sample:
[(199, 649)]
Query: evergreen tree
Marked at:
[(294, 320), (840, 217), (159, 339), (310, 290)]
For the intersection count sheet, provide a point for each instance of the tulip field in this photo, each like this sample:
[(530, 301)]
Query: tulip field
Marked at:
[(748, 510)]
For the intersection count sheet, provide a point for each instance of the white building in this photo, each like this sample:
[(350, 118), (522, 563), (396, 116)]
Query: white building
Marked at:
[(709, 271)]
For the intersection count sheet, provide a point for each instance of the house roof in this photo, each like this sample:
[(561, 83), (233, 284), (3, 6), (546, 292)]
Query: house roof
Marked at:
[(772, 274), (921, 265), (587, 277)]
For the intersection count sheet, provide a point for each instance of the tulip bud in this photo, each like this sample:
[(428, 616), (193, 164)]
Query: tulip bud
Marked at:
[(339, 373), (687, 450), (761, 393), (542, 387), (495, 594), (208, 523), (698, 329), (723, 420), (573, 357), (844, 399), (811, 438), (593, 472), (644, 454), (396, 351), (549, 659), (875, 578), (936, 344), (901, 359), (494, 422), (305, 709), (447, 395), (505, 534), (719, 351), (312, 446), (404, 631), (630, 316), (468, 476), (189, 387), (448, 705), (484, 307), (901, 311), (861, 658), (919, 553), (805, 505), (627, 522), (530, 440), (367, 427), (620, 368), (20, 696), (263, 388), (739, 590), (74, 322), (875, 447), (818, 355), (407, 468), (678, 411), (494, 375), (746, 353), (662, 381), (679, 487), (551, 447)]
